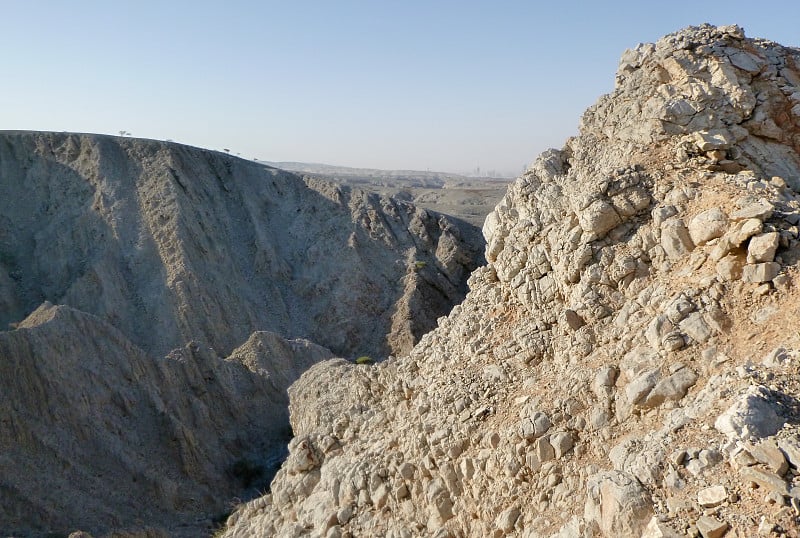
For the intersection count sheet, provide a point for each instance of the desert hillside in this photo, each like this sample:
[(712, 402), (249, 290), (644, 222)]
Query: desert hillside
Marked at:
[(158, 299), (97, 435), (626, 363), (170, 243)]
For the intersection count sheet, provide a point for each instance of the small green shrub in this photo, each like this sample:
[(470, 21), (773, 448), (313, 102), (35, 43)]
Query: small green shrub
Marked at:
[(364, 360), (420, 264)]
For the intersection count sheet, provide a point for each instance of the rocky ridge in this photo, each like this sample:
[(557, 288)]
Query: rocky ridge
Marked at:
[(214, 247), (625, 365), (160, 299)]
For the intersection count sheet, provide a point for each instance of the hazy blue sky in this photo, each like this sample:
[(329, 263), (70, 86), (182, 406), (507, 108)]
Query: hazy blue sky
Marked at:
[(445, 85)]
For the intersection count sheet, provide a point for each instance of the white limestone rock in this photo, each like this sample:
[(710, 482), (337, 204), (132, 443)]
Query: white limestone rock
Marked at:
[(760, 272), (712, 496), (696, 327), (672, 388), (708, 225), (675, 238), (598, 218), (617, 504), (714, 139), (562, 443), (730, 267), (507, 518), (762, 247), (791, 449), (761, 210), (638, 389), (710, 527), (658, 529), (754, 414)]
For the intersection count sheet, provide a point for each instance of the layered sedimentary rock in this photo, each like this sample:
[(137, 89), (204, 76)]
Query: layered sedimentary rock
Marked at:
[(626, 363)]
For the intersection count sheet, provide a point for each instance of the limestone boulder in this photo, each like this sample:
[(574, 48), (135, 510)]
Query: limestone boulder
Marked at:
[(709, 224), (754, 414), (760, 272), (675, 238), (598, 218), (762, 247), (617, 504)]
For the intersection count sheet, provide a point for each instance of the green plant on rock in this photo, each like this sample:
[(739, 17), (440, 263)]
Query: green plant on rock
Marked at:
[(364, 359)]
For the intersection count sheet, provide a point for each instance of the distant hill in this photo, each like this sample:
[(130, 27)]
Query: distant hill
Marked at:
[(386, 178), (464, 197)]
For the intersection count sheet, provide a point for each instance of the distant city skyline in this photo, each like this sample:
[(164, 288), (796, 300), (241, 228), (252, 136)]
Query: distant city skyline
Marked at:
[(446, 86)]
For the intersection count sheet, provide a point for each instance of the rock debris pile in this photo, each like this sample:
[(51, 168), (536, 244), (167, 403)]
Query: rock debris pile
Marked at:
[(626, 363)]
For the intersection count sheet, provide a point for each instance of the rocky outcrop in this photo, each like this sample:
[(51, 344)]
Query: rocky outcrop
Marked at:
[(626, 357), (170, 243)]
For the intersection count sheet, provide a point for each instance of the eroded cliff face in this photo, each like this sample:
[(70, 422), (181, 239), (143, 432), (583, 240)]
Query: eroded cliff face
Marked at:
[(186, 286), (206, 247), (626, 363), (97, 435)]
